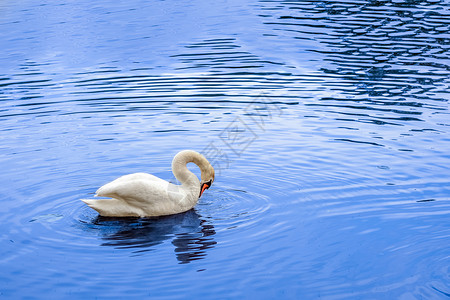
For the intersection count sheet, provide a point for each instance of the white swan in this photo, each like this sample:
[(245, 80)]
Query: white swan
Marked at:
[(145, 195)]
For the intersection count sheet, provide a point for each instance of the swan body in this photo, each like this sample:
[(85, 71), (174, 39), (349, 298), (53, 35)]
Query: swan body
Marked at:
[(145, 195)]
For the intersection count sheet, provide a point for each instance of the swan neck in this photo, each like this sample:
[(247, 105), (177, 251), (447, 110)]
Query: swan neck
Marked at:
[(180, 169)]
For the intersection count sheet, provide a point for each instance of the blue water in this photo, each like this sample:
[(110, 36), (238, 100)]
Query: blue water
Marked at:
[(328, 124)]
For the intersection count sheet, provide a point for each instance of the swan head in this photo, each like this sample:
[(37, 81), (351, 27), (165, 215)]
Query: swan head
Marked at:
[(207, 179)]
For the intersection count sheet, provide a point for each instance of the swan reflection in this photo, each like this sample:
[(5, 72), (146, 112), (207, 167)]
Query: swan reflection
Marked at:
[(191, 235)]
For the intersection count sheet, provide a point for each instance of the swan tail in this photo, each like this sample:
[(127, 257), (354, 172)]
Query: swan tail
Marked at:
[(98, 205), (112, 207), (91, 203)]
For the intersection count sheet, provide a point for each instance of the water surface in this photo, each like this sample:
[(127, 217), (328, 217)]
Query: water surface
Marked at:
[(327, 123)]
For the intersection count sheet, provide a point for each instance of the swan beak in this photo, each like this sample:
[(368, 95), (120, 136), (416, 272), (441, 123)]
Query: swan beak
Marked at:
[(204, 187)]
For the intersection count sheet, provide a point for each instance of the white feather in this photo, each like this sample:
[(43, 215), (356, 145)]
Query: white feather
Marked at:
[(145, 195)]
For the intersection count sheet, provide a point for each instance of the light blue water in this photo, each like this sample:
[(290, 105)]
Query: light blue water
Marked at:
[(327, 123)]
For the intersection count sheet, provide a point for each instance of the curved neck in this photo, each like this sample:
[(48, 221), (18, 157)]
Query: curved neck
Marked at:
[(180, 170)]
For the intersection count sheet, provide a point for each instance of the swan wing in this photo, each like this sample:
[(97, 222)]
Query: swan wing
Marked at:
[(138, 176), (136, 191)]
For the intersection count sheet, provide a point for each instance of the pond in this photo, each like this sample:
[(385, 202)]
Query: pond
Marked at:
[(327, 122)]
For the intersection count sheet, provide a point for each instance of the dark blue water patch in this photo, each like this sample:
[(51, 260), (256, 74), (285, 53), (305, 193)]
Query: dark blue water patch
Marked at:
[(190, 235)]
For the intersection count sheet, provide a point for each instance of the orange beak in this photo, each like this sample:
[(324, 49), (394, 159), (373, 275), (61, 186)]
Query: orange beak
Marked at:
[(204, 187)]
